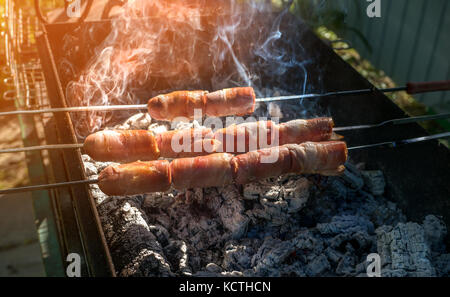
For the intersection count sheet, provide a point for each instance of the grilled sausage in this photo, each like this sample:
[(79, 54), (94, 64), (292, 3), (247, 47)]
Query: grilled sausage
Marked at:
[(299, 131), (122, 146), (206, 171), (234, 101), (247, 137), (167, 107), (261, 164), (135, 178), (133, 145), (250, 136), (326, 158), (186, 143)]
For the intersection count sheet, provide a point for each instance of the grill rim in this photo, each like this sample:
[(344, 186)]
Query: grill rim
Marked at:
[(97, 256)]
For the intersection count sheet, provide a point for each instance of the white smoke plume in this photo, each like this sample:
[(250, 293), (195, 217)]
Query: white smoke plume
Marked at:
[(183, 44)]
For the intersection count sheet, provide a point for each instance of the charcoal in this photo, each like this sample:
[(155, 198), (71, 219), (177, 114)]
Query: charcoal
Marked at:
[(404, 250), (345, 224), (374, 180), (333, 256), (442, 263), (337, 188), (238, 256), (157, 128), (270, 256), (178, 257), (129, 236), (251, 191), (435, 232), (213, 268), (90, 169), (318, 266), (346, 265), (231, 214), (136, 122), (353, 177)]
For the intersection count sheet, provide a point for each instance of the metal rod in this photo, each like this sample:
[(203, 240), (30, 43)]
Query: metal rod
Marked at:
[(397, 143), (396, 122), (337, 129), (337, 93), (41, 147), (47, 186), (144, 106), (391, 144), (75, 109)]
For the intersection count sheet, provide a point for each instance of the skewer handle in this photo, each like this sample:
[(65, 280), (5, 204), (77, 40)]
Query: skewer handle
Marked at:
[(432, 86)]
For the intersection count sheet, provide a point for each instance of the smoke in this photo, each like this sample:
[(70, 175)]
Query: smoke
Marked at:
[(184, 44)]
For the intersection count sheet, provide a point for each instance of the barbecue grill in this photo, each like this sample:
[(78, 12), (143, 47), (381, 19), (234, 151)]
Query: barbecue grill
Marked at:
[(417, 175)]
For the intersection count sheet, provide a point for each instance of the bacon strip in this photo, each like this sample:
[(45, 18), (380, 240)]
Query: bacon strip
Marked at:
[(176, 104), (238, 138), (200, 172), (299, 131), (234, 101), (328, 158), (186, 143)]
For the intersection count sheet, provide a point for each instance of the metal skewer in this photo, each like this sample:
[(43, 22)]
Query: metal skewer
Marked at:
[(397, 143), (144, 106), (74, 109), (338, 129), (48, 186), (41, 147), (337, 93), (395, 122), (391, 144), (410, 88)]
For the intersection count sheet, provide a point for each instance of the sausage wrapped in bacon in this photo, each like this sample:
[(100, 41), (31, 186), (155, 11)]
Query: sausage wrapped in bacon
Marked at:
[(187, 143), (133, 145), (135, 178), (122, 146), (206, 171), (234, 101), (299, 131), (166, 107), (250, 136), (326, 158)]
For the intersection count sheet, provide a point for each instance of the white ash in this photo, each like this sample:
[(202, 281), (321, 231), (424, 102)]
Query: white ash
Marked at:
[(291, 225)]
